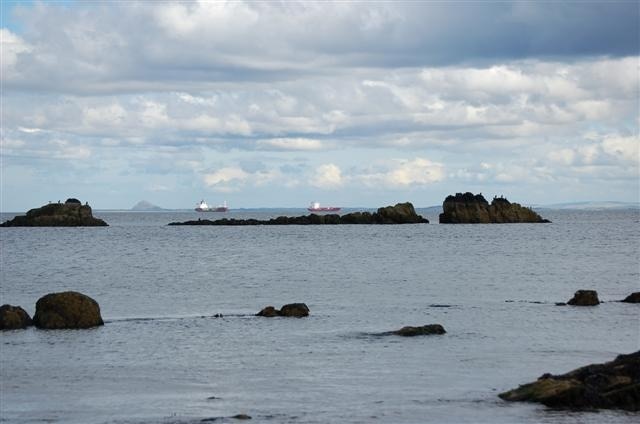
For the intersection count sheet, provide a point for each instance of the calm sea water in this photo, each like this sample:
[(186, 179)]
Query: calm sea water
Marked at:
[(163, 358)]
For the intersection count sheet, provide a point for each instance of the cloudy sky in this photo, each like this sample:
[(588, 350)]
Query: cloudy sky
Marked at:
[(347, 103)]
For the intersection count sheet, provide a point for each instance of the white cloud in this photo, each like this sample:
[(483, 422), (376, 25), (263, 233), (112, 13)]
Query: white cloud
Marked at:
[(404, 173), (290, 144), (226, 179), (327, 176)]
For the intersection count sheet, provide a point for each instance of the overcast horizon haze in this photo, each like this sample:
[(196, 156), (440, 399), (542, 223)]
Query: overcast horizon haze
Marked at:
[(352, 104)]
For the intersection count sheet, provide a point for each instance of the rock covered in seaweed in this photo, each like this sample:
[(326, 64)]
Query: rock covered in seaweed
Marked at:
[(584, 298), (612, 385), (401, 213), (296, 310), (13, 318), (67, 310), (71, 213), (468, 208)]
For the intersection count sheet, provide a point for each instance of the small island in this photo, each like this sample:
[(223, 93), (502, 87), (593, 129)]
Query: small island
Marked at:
[(468, 208), (401, 213), (71, 213)]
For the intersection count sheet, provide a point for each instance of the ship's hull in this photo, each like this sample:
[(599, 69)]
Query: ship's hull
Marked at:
[(324, 209), (220, 209)]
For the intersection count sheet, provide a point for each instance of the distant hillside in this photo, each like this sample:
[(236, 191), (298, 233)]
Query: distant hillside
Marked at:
[(591, 206), (143, 205)]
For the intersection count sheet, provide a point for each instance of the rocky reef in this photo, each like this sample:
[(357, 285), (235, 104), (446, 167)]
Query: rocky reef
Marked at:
[(71, 213), (13, 318), (401, 213), (295, 310), (424, 330), (468, 208), (612, 385), (67, 310)]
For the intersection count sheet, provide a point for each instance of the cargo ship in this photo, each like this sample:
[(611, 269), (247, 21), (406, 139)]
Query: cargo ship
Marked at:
[(203, 207), (315, 207)]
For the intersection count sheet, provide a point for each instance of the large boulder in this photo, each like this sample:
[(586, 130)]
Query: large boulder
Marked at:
[(612, 385), (425, 330), (297, 310), (468, 208), (13, 318), (72, 213), (268, 312), (67, 310), (401, 213), (632, 298), (584, 298)]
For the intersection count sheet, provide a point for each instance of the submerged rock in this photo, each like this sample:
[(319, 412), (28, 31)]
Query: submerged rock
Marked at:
[(632, 298), (13, 318), (468, 208), (584, 298), (612, 385), (425, 330), (296, 310), (401, 213), (69, 214), (67, 310)]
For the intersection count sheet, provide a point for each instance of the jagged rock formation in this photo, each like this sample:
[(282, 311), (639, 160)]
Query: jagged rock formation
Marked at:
[(468, 208), (13, 318), (71, 213), (67, 310), (296, 310), (401, 213), (612, 385), (584, 298)]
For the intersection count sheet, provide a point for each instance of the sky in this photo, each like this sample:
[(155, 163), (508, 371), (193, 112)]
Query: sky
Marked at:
[(353, 104)]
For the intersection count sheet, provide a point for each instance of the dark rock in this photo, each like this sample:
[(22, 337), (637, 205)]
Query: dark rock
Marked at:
[(402, 213), (69, 214), (425, 330), (632, 298), (67, 310), (584, 298), (297, 310), (612, 385), (242, 417), (561, 304), (13, 318), (268, 312), (468, 208)]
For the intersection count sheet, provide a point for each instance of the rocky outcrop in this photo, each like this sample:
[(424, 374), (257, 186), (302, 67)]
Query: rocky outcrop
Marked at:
[(401, 213), (72, 213), (632, 298), (468, 208), (612, 385), (424, 330), (584, 298), (13, 318), (296, 310), (67, 310)]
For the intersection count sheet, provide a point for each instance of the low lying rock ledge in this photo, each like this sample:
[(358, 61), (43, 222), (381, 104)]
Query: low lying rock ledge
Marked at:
[(401, 213), (612, 385), (424, 330)]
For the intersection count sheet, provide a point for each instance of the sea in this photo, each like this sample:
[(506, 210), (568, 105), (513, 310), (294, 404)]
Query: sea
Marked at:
[(181, 343)]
